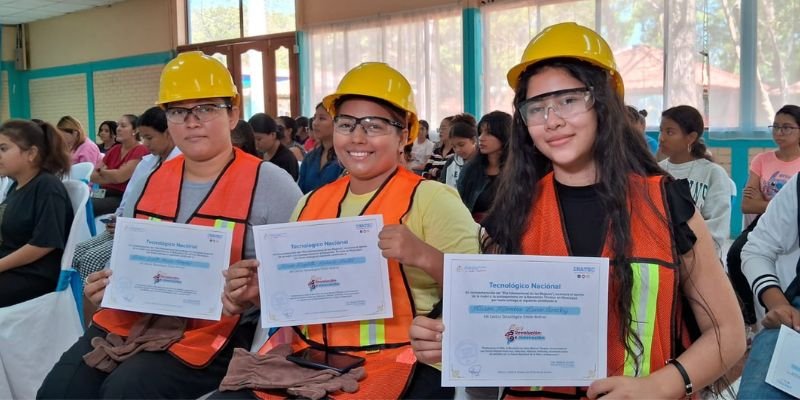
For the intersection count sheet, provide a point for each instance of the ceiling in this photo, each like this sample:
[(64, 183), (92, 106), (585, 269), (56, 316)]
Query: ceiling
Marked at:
[(13, 12)]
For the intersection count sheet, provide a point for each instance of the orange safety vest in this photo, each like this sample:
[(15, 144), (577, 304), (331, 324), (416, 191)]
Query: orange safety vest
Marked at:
[(227, 204), (384, 343), (656, 305)]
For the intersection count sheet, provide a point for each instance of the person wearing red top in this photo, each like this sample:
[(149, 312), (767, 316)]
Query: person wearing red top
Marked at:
[(117, 167)]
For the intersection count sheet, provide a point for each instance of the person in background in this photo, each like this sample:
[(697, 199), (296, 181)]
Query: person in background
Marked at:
[(289, 128), (442, 152), (463, 136), (422, 149), (311, 141), (776, 234), (576, 185), (116, 168), (81, 148), (478, 182), (639, 120), (92, 255), (302, 131), (243, 138), (769, 172), (681, 141), (268, 141), (36, 215), (107, 133), (320, 165)]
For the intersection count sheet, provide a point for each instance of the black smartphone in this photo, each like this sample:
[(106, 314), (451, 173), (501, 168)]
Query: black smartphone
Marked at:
[(107, 220), (318, 359)]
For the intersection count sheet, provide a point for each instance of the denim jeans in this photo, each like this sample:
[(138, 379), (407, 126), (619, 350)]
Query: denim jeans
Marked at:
[(752, 385)]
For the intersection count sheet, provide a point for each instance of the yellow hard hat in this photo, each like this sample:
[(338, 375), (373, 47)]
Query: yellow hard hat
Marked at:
[(568, 40), (378, 80), (194, 75)]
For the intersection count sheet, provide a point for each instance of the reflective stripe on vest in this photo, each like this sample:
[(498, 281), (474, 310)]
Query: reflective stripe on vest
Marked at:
[(643, 315), (226, 205)]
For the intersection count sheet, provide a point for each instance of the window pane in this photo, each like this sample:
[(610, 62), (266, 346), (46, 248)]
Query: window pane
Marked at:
[(425, 47), (252, 83), (778, 64), (283, 82), (507, 29), (635, 31), (691, 81), (265, 17), (211, 20)]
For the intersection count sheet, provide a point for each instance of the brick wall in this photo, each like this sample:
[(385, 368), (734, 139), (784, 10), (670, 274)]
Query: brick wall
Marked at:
[(125, 91), (52, 98)]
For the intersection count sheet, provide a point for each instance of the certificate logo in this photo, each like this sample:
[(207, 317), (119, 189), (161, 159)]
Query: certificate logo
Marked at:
[(161, 277), (364, 227), (518, 332), (317, 282)]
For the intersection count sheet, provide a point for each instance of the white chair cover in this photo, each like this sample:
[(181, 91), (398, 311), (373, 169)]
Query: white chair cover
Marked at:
[(34, 334)]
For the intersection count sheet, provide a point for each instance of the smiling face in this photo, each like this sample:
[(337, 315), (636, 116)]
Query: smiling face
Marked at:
[(200, 141), (369, 159), (567, 142)]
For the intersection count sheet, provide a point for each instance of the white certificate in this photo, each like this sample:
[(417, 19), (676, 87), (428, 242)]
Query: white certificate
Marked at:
[(784, 369), (168, 269), (524, 320), (322, 271)]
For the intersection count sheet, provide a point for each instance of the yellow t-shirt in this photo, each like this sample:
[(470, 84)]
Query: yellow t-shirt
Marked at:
[(439, 218)]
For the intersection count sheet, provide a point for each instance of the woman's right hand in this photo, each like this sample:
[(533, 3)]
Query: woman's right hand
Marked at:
[(95, 286), (784, 314), (241, 287), (426, 339)]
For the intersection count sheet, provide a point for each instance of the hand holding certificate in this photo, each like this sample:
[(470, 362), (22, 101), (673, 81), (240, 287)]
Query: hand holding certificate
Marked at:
[(322, 271), (524, 320), (168, 269)]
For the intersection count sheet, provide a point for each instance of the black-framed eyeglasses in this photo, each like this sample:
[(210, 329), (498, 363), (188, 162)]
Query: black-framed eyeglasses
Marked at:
[(565, 103), (203, 112), (783, 129), (70, 131), (372, 125)]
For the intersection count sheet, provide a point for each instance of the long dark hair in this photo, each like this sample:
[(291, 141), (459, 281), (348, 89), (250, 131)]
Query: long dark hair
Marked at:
[(690, 120), (617, 153), (243, 137), (53, 155)]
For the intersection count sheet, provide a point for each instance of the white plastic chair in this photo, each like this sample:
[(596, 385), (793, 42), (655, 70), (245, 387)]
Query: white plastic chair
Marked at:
[(81, 171), (25, 358)]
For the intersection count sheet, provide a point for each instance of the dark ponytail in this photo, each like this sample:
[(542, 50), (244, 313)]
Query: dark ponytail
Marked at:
[(53, 155), (699, 150), (690, 120)]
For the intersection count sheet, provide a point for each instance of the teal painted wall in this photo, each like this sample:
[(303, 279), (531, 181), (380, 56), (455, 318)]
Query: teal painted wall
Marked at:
[(18, 81)]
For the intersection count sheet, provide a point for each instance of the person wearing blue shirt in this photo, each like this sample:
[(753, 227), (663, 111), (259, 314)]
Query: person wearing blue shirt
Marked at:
[(320, 165)]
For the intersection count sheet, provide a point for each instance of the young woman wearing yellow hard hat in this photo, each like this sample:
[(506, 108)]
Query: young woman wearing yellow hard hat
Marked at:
[(210, 184), (575, 162), (374, 118)]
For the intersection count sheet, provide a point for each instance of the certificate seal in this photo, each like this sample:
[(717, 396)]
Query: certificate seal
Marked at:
[(466, 353)]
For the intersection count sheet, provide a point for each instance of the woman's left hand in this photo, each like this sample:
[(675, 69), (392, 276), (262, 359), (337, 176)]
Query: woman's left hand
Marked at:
[(398, 242), (625, 387)]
